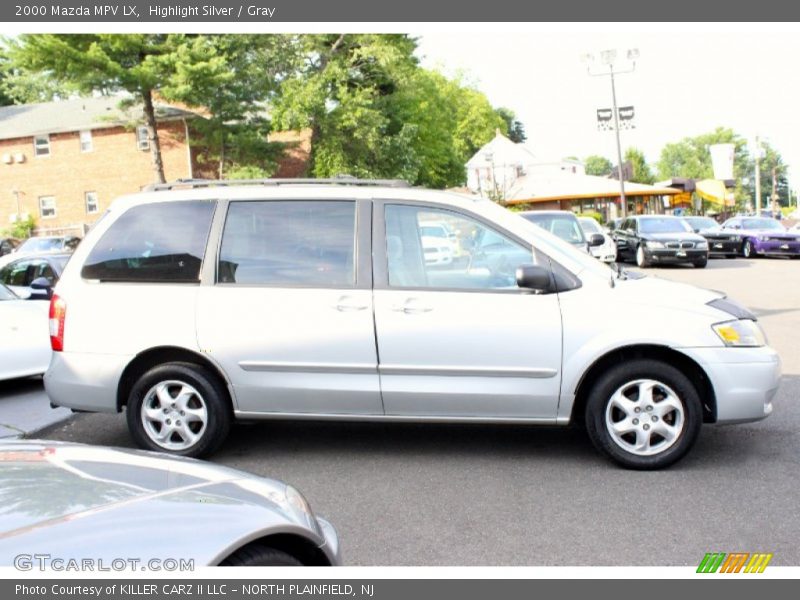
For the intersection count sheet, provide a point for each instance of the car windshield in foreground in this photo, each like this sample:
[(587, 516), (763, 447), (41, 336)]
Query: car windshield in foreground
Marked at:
[(664, 225), (702, 222), (563, 226), (41, 245), (761, 224)]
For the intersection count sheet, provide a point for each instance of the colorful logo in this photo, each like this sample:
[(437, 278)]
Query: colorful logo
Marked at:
[(735, 562)]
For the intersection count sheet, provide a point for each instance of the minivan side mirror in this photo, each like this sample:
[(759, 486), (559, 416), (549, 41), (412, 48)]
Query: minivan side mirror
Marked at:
[(41, 288), (597, 239), (534, 277)]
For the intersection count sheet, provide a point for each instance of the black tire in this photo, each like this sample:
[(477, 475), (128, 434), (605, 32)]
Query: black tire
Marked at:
[(701, 264), (747, 250), (640, 258), (260, 556), (600, 399), (210, 391)]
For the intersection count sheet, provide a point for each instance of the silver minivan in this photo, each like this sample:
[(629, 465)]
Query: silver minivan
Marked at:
[(193, 304)]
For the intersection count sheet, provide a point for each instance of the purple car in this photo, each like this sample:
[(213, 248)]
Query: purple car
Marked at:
[(764, 236)]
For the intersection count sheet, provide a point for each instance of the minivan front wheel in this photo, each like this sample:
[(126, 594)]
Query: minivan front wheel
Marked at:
[(644, 414), (180, 409)]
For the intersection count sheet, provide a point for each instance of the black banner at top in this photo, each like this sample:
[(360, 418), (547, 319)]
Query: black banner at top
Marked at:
[(361, 11)]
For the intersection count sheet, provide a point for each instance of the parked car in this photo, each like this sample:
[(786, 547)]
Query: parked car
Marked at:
[(189, 308), (8, 245), (607, 251), (55, 243), (563, 224), (437, 243), (659, 239), (32, 276), (73, 502), (763, 236), (24, 336), (720, 241)]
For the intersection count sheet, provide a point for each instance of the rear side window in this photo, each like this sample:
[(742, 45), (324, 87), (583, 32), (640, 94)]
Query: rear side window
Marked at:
[(161, 242), (289, 243)]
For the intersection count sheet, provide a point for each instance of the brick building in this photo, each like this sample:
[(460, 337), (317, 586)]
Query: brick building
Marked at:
[(63, 162)]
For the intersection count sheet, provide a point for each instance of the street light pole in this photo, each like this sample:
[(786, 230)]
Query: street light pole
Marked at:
[(619, 145), (607, 57), (758, 178)]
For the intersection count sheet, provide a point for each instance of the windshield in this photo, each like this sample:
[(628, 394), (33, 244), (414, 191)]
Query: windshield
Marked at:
[(761, 224), (702, 222), (41, 245), (590, 225), (664, 225), (563, 226)]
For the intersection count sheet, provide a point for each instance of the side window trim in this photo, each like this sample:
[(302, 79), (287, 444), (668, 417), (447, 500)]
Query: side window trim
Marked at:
[(379, 256)]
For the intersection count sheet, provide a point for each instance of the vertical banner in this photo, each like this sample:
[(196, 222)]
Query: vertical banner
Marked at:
[(722, 160)]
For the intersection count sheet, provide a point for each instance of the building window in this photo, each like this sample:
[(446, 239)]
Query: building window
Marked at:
[(86, 141), (142, 138), (91, 202), (47, 207), (41, 145)]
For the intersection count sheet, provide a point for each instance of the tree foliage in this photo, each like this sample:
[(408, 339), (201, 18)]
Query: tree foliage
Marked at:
[(640, 170), (597, 165), (516, 129)]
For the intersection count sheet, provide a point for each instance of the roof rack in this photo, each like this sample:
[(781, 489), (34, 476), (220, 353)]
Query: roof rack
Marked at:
[(339, 180)]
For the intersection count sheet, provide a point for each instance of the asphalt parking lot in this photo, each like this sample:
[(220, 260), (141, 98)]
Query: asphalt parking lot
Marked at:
[(508, 495)]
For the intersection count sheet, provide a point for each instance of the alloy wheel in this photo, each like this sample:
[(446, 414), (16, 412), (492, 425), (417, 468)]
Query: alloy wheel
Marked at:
[(174, 415)]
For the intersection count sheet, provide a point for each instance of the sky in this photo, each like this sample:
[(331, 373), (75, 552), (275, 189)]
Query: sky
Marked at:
[(688, 80)]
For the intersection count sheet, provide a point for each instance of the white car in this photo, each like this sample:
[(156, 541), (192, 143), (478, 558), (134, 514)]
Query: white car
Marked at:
[(438, 243), (290, 299), (608, 251), (24, 336)]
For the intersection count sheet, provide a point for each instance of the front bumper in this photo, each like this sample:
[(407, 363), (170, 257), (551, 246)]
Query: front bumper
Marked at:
[(777, 248), (724, 246), (745, 380), (85, 381), (673, 255), (331, 547)]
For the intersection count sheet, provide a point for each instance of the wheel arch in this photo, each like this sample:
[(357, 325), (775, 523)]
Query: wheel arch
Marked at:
[(152, 357), (687, 365)]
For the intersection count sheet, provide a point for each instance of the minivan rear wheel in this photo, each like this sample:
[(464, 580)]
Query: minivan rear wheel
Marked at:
[(178, 408), (644, 414)]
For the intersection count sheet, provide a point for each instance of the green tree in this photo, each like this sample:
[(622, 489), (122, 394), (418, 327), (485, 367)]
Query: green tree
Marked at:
[(640, 170), (342, 91), (20, 86), (234, 132), (139, 64), (690, 157), (597, 165), (771, 164), (515, 128)]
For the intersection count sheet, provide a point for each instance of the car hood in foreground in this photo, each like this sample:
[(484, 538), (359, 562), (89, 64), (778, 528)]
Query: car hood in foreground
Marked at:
[(73, 501)]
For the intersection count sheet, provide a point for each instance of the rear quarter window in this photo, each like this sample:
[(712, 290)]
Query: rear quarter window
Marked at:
[(159, 242)]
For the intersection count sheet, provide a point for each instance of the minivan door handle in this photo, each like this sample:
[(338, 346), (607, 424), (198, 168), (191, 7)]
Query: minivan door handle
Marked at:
[(411, 307), (346, 304)]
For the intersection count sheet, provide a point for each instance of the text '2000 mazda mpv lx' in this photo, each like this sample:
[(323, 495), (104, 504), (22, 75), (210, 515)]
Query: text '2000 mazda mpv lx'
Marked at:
[(193, 304)]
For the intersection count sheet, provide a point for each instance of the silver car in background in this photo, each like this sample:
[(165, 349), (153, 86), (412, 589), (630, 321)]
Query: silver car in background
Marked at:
[(73, 502), (193, 304)]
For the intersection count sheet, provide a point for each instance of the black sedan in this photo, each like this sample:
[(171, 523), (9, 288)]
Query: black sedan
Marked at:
[(659, 239), (720, 241), (33, 276)]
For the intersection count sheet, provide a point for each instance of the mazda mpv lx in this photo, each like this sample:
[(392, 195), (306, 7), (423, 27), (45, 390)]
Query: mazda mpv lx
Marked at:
[(193, 304)]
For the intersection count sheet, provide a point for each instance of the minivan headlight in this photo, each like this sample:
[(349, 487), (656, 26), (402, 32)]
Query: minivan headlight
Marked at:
[(741, 333)]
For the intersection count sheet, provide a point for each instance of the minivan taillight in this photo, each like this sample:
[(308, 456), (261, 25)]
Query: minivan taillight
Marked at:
[(58, 313)]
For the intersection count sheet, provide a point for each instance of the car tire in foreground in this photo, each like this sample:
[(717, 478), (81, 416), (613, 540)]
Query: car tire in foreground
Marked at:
[(260, 556), (701, 264), (179, 408), (644, 414)]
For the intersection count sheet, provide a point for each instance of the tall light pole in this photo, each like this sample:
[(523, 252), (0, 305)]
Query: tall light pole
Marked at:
[(758, 177), (607, 58)]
